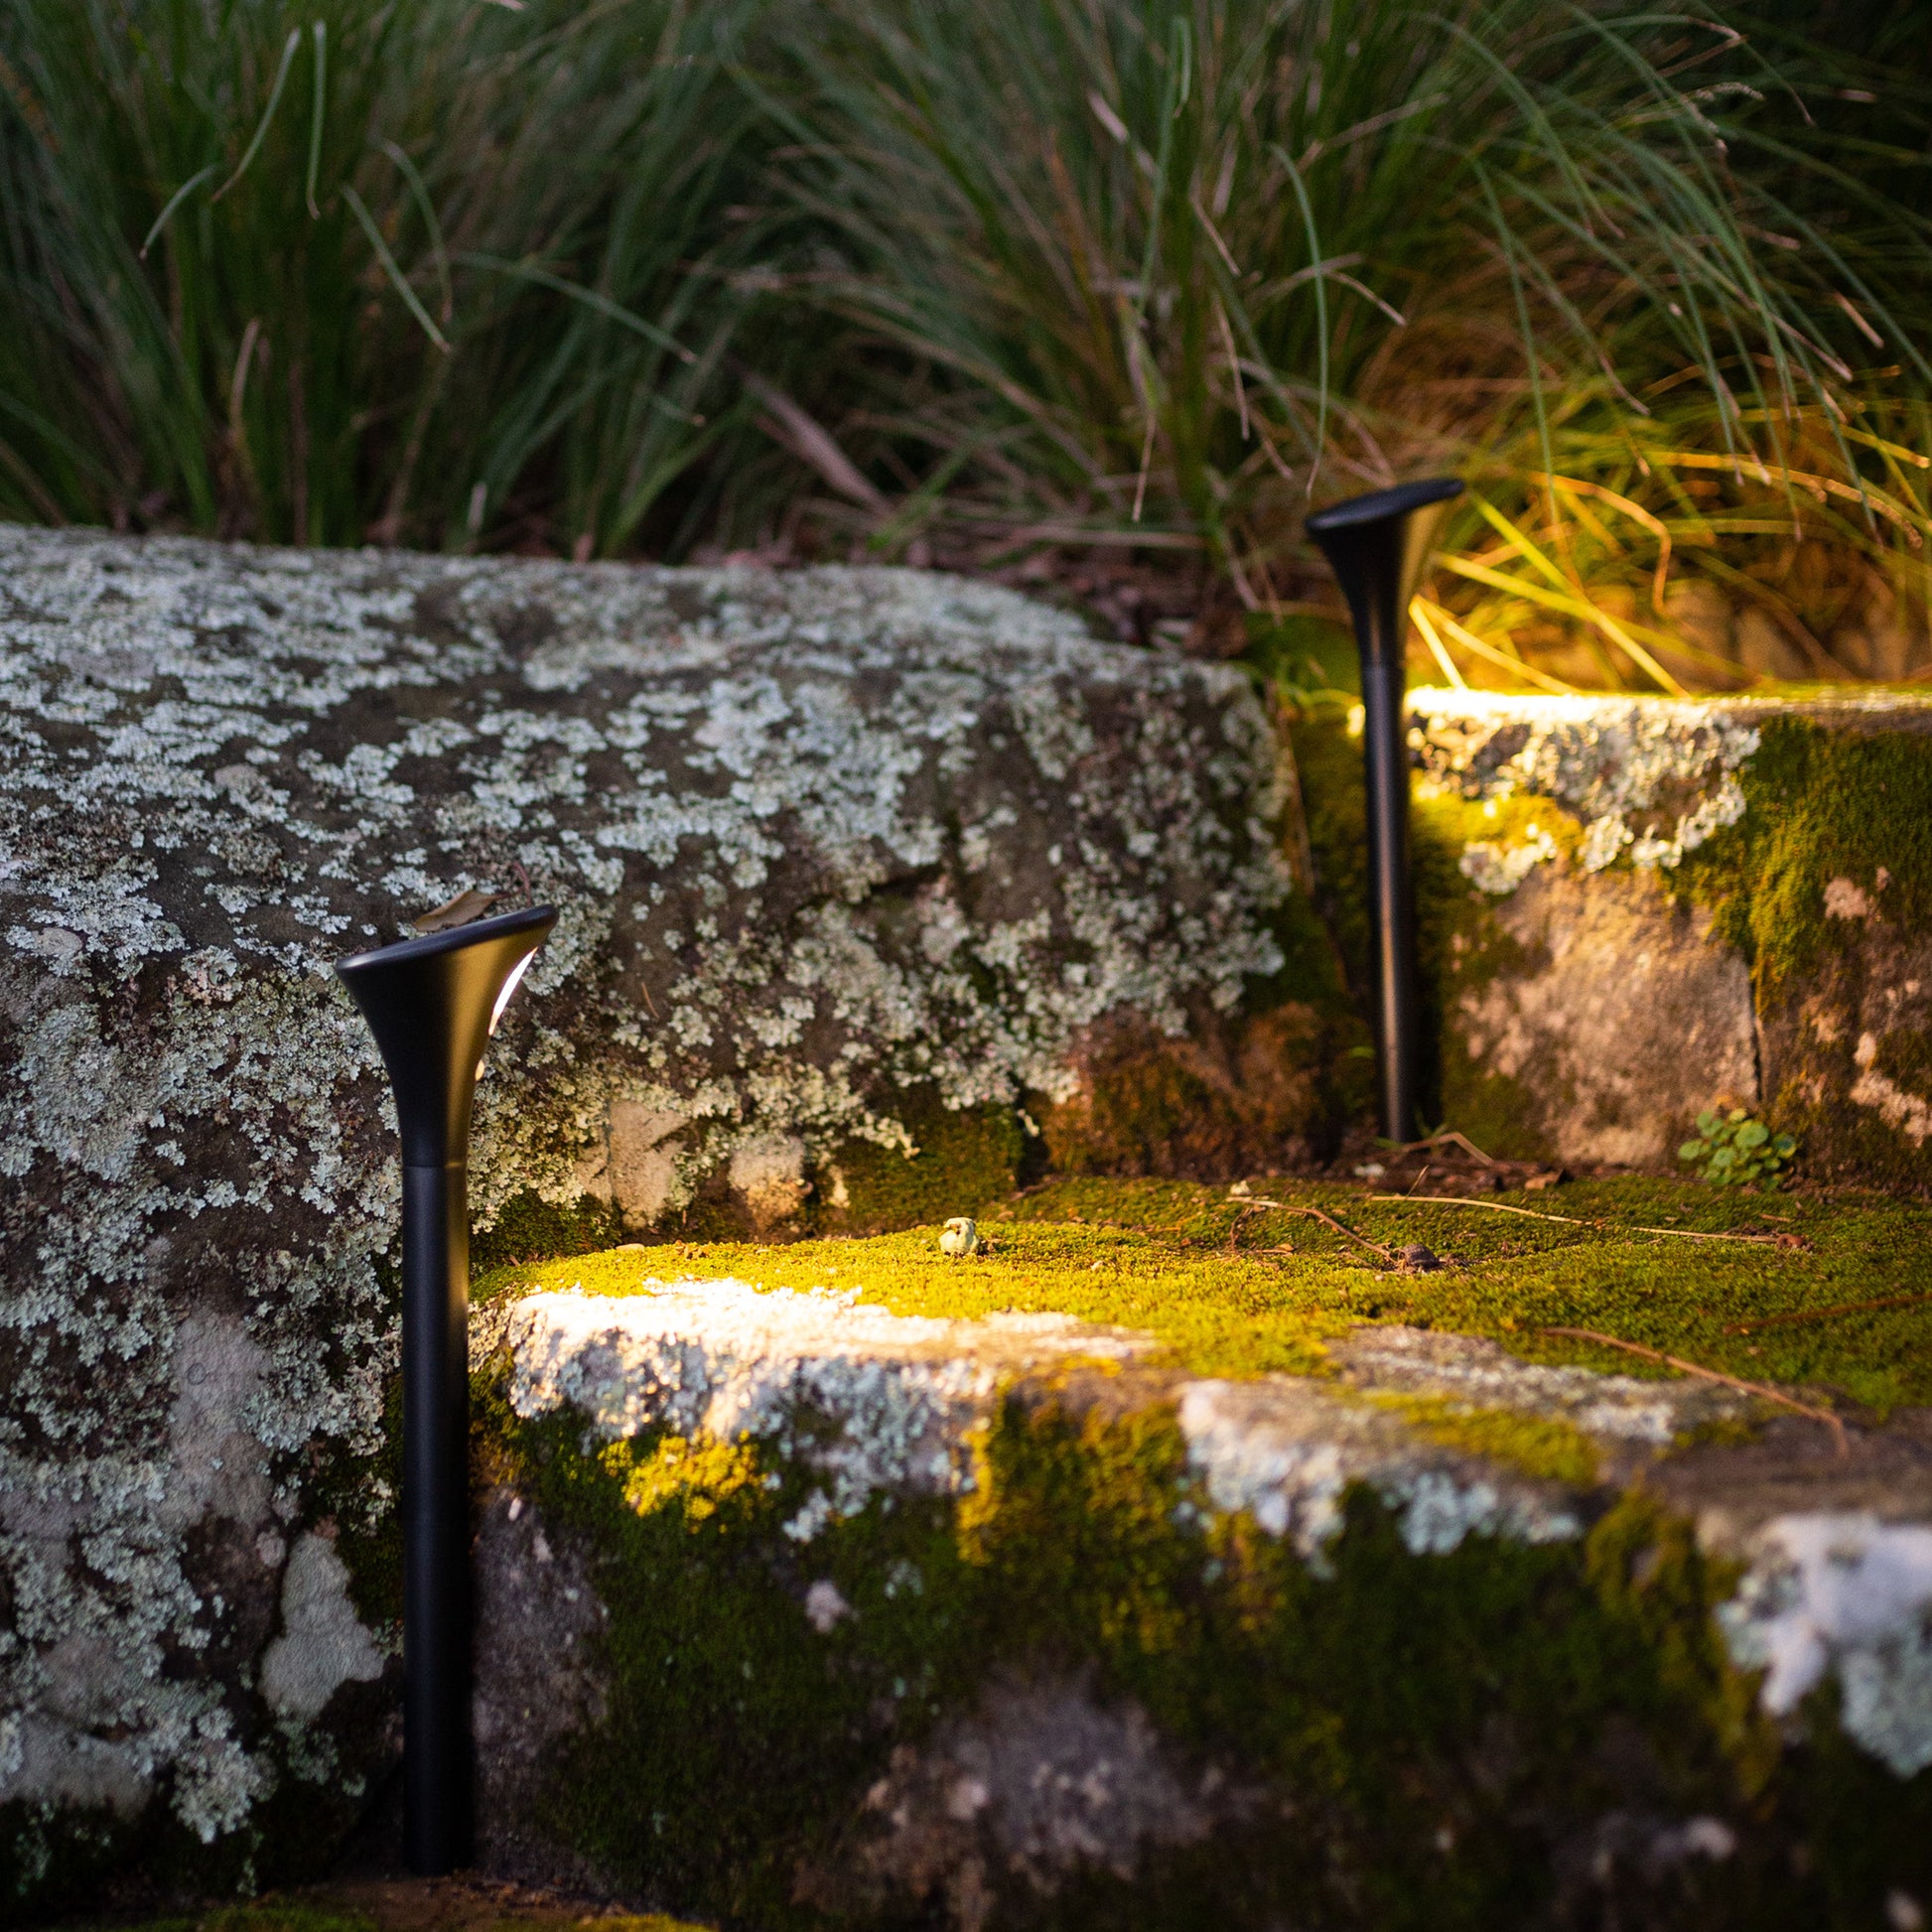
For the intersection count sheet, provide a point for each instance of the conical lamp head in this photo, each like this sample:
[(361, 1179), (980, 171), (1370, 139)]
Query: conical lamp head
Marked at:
[(431, 1004), (1376, 545)]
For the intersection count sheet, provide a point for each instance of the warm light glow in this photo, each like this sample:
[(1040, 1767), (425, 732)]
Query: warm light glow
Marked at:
[(509, 986)]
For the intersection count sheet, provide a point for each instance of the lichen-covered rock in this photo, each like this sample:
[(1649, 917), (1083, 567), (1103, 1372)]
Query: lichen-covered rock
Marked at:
[(825, 845), (1642, 907), (988, 1620)]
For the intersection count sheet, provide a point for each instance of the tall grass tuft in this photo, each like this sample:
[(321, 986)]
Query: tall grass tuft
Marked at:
[(1008, 284), (1180, 269), (419, 273)]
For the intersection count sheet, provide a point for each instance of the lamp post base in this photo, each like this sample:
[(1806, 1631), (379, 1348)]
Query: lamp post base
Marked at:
[(438, 1768)]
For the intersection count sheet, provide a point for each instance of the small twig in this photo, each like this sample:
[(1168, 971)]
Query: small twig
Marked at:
[(1571, 1220), (1770, 1394), (1317, 1214), (1823, 1314), (1448, 1135)]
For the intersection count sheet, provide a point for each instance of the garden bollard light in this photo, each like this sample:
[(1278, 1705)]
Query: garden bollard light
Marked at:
[(1375, 546), (432, 1004)]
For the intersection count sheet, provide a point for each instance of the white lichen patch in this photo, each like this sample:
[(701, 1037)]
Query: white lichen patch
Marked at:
[(1614, 1409), (903, 1393), (816, 839), (322, 1644), (1652, 777), (1497, 869), (1851, 1596), (1287, 1450)]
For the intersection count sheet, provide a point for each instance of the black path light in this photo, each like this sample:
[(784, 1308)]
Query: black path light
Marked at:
[(432, 1004), (1375, 546)]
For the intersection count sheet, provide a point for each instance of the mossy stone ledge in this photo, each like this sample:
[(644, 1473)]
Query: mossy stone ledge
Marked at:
[(899, 1598), (1635, 909)]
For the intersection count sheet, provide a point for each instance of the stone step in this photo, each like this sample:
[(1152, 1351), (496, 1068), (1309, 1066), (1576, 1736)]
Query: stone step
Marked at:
[(1065, 1591)]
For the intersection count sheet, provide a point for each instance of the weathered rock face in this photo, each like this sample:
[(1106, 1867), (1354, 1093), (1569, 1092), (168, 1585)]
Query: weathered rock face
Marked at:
[(821, 842), (999, 1620), (1659, 907)]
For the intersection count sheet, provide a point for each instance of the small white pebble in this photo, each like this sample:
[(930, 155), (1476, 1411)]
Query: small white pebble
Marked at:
[(959, 1237)]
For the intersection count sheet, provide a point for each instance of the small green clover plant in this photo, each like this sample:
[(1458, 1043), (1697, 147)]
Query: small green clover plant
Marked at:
[(1733, 1151)]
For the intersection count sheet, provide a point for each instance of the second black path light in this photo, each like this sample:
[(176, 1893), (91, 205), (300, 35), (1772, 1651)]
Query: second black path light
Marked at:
[(432, 1004), (1375, 546)]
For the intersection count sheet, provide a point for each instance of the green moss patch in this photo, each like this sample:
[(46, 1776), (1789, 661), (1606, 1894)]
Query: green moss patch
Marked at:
[(1538, 1446), (1239, 1290), (529, 1227), (1820, 804), (976, 1152)]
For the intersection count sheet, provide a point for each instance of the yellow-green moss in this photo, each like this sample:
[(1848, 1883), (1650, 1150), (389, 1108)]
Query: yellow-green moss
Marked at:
[(1232, 1289), (1538, 1446), (1820, 803), (972, 1153)]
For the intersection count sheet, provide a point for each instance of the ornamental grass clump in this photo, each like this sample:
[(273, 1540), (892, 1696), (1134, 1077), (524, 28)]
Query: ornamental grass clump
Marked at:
[(1174, 270), (350, 271), (1020, 285)]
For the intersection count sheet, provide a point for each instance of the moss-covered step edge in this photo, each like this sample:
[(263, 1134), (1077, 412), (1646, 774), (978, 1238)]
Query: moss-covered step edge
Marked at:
[(1207, 1275), (1775, 848), (1415, 1711)]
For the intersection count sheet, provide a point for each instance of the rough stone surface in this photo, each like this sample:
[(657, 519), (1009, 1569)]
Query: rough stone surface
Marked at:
[(1039, 1782), (1827, 1589), (1589, 1008), (1624, 1022), (1617, 1411), (723, 1358), (538, 1620), (818, 840), (1286, 1451)]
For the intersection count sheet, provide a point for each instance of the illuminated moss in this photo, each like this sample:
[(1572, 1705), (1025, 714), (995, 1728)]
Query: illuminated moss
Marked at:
[(1821, 804), (968, 1153), (1232, 1289), (1538, 1446)]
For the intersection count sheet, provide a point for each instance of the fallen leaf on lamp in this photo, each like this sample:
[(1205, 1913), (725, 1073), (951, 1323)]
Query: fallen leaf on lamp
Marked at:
[(470, 903)]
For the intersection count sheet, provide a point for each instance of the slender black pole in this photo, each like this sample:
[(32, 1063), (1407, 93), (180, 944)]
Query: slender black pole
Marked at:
[(1375, 546), (431, 1004)]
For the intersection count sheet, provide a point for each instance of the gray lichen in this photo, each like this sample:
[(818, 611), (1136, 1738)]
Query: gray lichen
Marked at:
[(900, 1392), (1648, 777)]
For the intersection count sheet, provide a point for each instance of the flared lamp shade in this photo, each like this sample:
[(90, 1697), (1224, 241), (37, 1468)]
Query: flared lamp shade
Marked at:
[(1375, 546), (431, 1004)]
